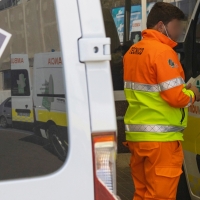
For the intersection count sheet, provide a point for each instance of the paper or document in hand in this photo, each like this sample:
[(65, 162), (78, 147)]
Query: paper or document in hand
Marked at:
[(4, 39), (192, 81), (195, 82)]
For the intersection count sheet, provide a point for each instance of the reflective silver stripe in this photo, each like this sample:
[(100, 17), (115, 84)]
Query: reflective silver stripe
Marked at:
[(153, 128), (171, 83), (141, 87), (154, 88), (190, 103)]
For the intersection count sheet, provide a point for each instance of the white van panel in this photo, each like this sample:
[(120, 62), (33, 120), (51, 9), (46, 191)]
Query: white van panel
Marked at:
[(75, 179)]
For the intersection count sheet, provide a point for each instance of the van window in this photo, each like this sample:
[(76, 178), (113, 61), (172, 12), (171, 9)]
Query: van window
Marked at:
[(114, 24), (20, 83), (34, 142), (8, 104)]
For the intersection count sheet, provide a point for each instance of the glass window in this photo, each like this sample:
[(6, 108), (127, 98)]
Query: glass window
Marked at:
[(36, 140), (20, 83), (6, 80), (8, 103), (114, 23)]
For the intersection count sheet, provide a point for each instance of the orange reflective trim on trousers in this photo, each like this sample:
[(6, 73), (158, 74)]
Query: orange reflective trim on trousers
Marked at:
[(156, 168)]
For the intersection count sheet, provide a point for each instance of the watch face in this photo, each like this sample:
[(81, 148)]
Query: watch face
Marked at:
[(136, 36)]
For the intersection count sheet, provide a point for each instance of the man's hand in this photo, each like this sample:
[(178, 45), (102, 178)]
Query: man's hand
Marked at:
[(195, 90), (188, 86)]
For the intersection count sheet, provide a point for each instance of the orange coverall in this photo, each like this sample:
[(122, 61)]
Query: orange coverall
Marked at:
[(156, 165)]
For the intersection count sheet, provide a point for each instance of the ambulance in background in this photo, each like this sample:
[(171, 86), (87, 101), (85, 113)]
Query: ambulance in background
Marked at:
[(41, 106)]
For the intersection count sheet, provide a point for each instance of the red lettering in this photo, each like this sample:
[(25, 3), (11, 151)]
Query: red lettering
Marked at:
[(136, 24), (17, 60), (55, 61)]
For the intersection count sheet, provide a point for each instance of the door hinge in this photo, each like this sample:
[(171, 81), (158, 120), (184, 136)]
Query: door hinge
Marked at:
[(94, 49)]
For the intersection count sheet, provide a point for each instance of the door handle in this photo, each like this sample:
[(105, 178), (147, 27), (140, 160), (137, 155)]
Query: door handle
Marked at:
[(4, 111), (26, 106)]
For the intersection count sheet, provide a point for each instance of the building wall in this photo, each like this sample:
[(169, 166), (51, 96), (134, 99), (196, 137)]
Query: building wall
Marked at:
[(33, 27), (34, 30)]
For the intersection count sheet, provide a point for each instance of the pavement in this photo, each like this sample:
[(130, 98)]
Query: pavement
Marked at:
[(125, 188), (27, 155)]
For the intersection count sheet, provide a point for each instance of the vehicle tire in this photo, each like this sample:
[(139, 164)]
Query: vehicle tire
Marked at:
[(3, 122), (58, 142), (183, 192)]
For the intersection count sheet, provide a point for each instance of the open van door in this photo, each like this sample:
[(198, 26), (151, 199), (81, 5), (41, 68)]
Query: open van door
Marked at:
[(21, 92), (89, 171), (189, 50)]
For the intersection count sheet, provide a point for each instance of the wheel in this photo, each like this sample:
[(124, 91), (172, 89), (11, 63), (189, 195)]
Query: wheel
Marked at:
[(3, 122), (183, 192), (58, 141)]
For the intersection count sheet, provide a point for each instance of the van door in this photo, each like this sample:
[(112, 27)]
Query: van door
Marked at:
[(21, 91), (89, 169), (189, 51)]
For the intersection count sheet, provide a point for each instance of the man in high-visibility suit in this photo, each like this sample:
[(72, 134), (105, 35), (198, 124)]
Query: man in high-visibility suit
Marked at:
[(158, 99)]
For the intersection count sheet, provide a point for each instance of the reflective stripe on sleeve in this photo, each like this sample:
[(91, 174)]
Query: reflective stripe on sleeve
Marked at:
[(190, 103), (153, 128), (171, 83), (141, 87), (154, 87)]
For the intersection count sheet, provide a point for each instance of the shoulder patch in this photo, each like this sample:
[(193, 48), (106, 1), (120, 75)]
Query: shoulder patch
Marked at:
[(172, 64)]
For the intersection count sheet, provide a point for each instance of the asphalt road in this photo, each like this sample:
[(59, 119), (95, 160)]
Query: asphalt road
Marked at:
[(22, 154)]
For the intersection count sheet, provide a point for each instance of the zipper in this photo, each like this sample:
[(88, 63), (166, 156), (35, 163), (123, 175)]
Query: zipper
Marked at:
[(183, 114)]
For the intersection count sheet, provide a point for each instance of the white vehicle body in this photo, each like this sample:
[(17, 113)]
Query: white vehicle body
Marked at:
[(49, 90), (90, 110), (21, 90)]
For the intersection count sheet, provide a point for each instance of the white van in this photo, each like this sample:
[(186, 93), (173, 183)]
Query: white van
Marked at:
[(40, 107), (89, 169)]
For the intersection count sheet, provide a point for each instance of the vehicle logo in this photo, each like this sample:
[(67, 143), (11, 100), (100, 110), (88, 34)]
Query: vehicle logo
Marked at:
[(21, 83), (49, 91)]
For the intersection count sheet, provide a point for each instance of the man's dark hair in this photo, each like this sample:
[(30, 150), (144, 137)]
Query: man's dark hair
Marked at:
[(164, 12)]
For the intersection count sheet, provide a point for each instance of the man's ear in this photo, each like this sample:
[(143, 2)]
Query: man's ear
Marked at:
[(159, 27)]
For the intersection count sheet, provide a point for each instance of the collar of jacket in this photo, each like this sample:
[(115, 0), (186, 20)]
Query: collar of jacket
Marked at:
[(155, 35)]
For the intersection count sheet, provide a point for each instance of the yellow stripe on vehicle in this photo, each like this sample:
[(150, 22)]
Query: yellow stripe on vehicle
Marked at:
[(191, 134), (194, 184), (19, 118), (59, 118)]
